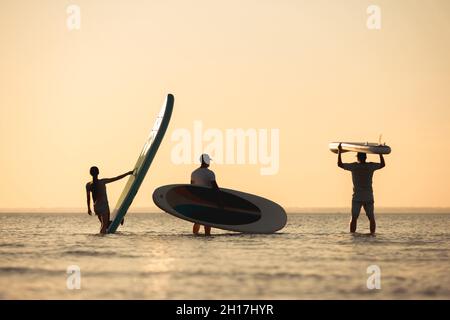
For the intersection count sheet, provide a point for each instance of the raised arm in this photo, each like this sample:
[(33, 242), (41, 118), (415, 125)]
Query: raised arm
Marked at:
[(382, 163), (88, 196), (109, 180), (339, 163)]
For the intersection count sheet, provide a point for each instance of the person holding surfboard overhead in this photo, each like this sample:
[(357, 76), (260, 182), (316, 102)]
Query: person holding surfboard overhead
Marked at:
[(203, 177), (362, 174), (98, 189)]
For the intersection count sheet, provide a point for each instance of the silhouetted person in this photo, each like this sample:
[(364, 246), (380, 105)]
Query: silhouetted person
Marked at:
[(98, 188), (362, 174), (203, 177)]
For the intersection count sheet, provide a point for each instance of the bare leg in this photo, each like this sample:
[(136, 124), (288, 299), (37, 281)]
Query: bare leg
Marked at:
[(104, 218), (356, 209), (105, 222), (207, 230), (196, 228), (369, 208), (353, 225), (373, 225)]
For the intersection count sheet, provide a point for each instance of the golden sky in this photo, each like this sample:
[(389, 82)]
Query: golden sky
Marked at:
[(312, 69)]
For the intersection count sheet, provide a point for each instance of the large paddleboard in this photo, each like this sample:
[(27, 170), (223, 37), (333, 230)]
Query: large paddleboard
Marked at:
[(225, 209), (364, 147), (143, 163)]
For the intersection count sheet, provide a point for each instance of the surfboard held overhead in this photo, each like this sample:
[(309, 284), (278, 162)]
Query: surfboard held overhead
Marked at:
[(364, 147)]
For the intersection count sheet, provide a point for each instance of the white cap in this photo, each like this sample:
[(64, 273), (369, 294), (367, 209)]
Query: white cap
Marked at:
[(205, 158)]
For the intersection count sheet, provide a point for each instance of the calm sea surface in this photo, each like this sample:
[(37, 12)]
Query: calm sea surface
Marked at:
[(154, 256)]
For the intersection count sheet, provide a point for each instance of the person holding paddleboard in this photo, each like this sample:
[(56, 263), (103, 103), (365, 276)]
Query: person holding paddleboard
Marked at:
[(362, 174), (203, 177), (98, 189)]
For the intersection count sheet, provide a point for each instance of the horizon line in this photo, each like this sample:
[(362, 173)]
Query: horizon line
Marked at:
[(306, 209)]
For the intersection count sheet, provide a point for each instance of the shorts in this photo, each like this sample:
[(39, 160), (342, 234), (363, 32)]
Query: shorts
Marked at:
[(368, 208), (101, 208)]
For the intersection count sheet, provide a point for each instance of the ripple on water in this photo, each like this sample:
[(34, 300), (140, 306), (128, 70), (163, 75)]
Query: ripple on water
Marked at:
[(157, 256)]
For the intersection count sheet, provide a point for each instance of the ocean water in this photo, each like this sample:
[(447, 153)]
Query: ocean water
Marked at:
[(154, 256)]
